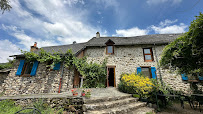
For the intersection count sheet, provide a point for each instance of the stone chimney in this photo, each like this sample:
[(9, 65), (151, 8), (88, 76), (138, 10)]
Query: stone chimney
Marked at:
[(97, 35), (74, 42), (34, 47)]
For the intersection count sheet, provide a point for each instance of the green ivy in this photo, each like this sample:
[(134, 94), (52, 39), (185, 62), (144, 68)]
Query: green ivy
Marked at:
[(185, 53), (93, 73)]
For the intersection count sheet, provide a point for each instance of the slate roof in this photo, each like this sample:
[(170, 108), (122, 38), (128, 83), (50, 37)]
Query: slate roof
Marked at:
[(63, 48), (145, 39), (136, 40)]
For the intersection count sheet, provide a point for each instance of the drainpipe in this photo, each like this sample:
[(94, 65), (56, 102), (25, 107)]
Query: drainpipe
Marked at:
[(61, 78), (157, 64)]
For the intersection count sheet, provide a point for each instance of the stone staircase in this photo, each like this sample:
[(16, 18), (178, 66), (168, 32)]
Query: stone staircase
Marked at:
[(123, 104)]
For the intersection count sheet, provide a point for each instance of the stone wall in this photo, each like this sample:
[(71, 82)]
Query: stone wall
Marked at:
[(69, 104), (3, 76), (45, 81), (126, 59)]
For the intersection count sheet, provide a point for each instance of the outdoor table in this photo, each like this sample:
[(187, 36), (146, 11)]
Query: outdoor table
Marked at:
[(199, 99), (162, 97), (187, 98)]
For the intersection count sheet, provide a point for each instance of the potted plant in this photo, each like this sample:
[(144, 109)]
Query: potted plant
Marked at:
[(83, 93), (75, 93), (88, 93)]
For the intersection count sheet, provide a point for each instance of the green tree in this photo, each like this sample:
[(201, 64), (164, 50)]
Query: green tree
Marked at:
[(185, 54), (9, 64), (4, 4)]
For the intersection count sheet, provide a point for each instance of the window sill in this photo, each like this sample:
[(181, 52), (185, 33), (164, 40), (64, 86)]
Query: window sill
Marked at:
[(26, 75), (195, 81), (148, 61), (109, 53)]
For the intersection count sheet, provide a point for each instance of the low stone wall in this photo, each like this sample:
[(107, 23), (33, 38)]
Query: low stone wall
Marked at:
[(68, 103)]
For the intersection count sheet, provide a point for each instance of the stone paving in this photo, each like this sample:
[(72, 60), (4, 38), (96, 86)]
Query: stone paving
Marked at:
[(102, 99), (95, 93)]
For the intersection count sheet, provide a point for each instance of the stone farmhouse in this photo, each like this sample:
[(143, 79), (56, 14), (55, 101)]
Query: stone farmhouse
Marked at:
[(124, 55)]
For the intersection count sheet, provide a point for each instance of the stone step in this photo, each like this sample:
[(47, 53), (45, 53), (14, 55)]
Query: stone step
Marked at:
[(123, 109), (142, 110), (108, 104), (105, 99)]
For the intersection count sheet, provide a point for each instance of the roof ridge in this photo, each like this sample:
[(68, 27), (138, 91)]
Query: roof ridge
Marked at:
[(64, 45), (138, 36)]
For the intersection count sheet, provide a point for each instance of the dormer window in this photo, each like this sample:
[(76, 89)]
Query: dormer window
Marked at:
[(110, 47)]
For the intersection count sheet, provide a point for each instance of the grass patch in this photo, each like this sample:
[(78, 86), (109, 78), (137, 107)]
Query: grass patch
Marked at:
[(9, 107)]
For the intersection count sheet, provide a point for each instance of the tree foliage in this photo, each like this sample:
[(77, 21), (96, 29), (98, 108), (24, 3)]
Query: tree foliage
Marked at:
[(186, 53), (4, 4), (9, 64)]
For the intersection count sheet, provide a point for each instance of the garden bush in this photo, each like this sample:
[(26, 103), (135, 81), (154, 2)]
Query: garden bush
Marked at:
[(136, 84), (8, 107)]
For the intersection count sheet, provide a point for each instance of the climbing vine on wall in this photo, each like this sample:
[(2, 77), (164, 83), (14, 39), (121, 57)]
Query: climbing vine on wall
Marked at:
[(185, 53), (93, 73)]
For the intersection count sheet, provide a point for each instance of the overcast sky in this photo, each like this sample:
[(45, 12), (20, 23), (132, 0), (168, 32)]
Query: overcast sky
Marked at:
[(59, 22)]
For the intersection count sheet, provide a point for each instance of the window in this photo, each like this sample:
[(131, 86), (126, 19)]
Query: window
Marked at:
[(109, 50), (109, 47), (194, 77), (146, 71), (148, 55), (27, 68)]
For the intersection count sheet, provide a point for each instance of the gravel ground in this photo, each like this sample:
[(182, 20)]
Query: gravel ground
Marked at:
[(177, 109)]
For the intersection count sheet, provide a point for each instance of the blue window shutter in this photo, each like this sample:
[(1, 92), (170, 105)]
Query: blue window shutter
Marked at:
[(20, 67), (184, 77), (153, 71), (139, 70), (200, 77), (34, 68), (57, 66)]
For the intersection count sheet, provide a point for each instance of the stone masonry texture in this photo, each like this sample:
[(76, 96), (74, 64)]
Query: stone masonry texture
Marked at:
[(45, 81), (126, 59)]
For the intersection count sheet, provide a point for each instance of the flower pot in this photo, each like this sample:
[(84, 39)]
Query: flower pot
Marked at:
[(82, 94), (75, 94)]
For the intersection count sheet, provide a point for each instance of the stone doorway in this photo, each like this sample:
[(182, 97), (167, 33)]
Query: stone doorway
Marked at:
[(111, 82)]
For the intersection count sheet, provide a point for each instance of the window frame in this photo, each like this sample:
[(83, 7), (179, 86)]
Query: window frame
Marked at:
[(151, 53), (112, 50), (25, 66), (150, 72)]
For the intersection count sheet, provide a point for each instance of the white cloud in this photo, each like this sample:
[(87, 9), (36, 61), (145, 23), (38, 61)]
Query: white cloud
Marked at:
[(167, 27), (28, 41), (135, 31), (164, 27), (73, 2), (7, 49), (167, 22), (156, 2), (62, 25)]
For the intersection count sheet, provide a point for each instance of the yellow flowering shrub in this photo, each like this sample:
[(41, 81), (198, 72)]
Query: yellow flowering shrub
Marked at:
[(140, 84)]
